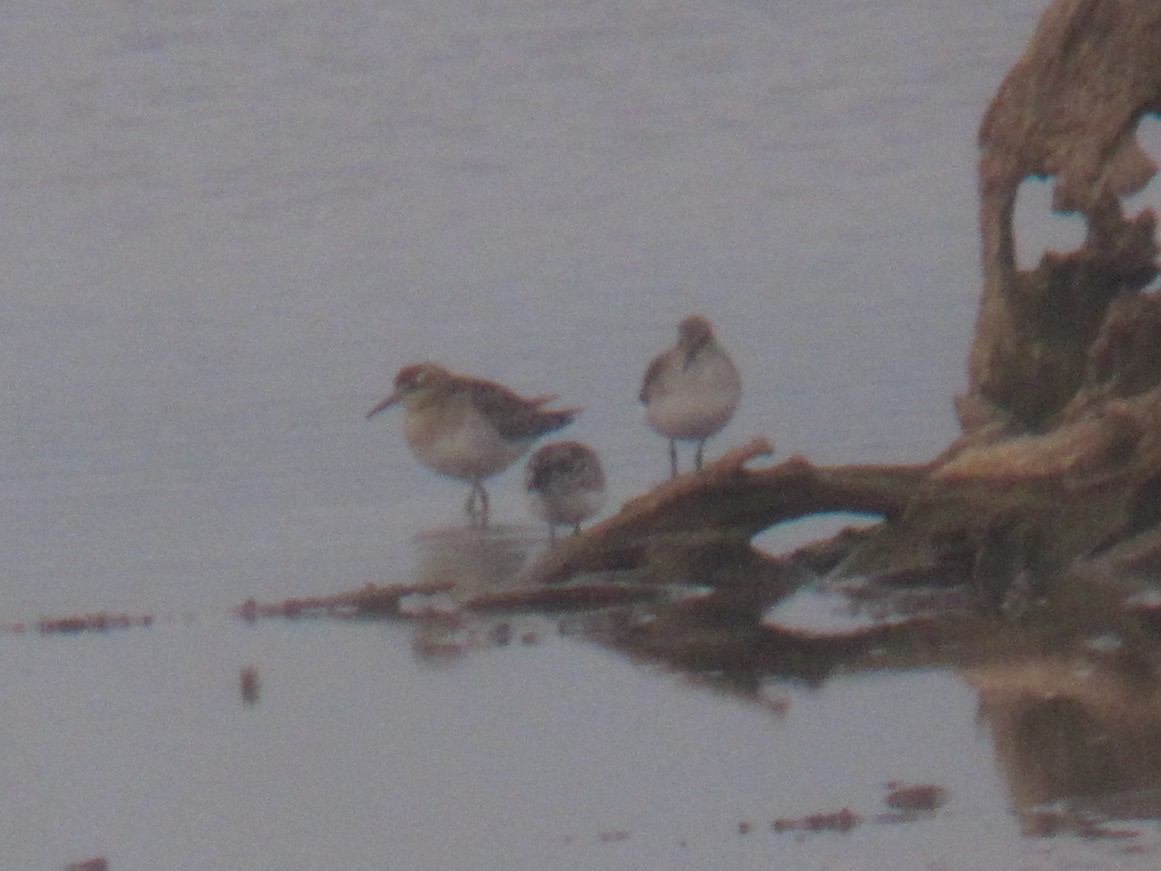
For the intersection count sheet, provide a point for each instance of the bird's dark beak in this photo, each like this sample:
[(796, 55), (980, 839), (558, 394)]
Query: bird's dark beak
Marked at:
[(384, 405)]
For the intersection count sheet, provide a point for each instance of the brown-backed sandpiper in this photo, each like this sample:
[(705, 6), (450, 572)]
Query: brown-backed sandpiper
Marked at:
[(468, 428)]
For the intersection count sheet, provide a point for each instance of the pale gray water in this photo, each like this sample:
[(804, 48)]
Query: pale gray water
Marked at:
[(226, 225)]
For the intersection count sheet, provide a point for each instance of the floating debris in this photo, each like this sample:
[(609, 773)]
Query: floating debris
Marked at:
[(370, 601), (249, 685), (100, 622), (100, 863), (915, 798), (838, 821), (910, 803), (614, 836)]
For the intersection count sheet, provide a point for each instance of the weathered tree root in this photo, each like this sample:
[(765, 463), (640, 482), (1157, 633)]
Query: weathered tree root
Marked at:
[(1068, 110), (694, 527)]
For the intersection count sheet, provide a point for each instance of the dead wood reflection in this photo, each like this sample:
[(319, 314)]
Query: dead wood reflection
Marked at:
[(1077, 740), (1068, 689)]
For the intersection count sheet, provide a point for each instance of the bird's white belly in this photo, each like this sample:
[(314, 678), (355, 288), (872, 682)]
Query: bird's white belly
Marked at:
[(464, 446), (696, 402), (569, 508)]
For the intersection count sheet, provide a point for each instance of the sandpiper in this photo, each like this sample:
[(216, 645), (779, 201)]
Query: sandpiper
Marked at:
[(565, 484), (691, 391), (468, 428)]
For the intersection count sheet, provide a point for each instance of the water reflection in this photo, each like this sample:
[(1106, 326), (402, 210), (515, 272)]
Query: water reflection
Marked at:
[(1073, 717), (468, 563), (474, 560), (1076, 736), (1076, 741)]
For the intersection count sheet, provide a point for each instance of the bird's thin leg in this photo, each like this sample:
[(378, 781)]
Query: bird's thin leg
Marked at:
[(483, 502), (477, 504), (700, 455), (470, 504), (672, 458)]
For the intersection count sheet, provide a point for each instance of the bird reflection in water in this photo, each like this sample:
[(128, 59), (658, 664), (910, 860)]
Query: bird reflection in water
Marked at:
[(472, 561)]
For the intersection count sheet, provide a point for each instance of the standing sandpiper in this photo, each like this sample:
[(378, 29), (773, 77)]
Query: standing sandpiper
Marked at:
[(468, 428), (565, 484), (690, 391)]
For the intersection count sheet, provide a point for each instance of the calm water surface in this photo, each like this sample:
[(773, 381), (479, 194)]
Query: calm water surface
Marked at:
[(226, 225)]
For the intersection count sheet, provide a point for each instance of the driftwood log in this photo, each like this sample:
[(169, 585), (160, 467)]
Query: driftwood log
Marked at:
[(1056, 479)]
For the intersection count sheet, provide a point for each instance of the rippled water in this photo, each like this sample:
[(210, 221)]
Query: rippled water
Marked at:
[(227, 224)]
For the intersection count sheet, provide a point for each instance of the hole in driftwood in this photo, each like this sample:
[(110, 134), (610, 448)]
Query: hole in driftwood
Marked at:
[(1149, 138), (1038, 228)]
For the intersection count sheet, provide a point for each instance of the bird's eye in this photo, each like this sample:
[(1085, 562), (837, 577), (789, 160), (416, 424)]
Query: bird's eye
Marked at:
[(411, 378)]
